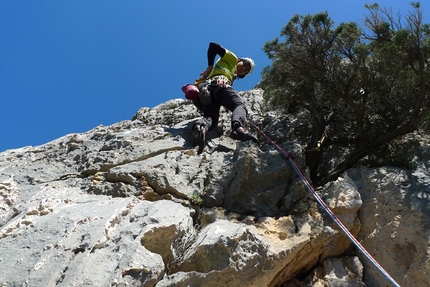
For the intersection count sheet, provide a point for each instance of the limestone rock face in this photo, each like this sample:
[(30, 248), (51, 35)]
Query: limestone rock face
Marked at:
[(396, 221), (134, 204)]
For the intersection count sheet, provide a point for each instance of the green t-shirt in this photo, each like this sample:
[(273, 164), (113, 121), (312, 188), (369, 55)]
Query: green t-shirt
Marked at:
[(225, 66)]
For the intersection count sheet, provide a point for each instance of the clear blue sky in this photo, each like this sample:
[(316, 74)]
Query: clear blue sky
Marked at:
[(68, 66)]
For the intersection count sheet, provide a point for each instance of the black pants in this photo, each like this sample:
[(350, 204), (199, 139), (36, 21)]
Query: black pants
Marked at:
[(228, 98)]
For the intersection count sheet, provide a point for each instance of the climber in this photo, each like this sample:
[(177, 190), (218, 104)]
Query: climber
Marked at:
[(217, 82)]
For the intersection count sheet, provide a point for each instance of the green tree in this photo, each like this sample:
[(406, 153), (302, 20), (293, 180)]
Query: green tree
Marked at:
[(361, 88)]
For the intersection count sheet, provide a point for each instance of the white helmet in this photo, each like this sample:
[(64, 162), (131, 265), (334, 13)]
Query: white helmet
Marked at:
[(251, 63)]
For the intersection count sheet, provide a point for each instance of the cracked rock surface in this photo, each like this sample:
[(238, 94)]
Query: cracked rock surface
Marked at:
[(134, 204)]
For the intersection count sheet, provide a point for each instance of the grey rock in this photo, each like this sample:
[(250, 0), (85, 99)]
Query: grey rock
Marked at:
[(134, 204)]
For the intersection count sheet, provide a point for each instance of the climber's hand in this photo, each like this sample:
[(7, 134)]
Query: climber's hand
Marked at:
[(206, 72)]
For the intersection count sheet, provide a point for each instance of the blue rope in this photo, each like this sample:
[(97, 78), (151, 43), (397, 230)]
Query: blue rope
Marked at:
[(326, 208)]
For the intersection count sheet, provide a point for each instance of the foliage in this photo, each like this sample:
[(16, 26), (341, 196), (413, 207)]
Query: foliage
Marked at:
[(362, 87), (196, 199)]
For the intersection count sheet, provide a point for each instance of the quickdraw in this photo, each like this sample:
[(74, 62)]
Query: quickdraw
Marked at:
[(319, 143)]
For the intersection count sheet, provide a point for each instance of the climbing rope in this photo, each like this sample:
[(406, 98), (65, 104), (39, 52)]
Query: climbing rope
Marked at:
[(325, 207)]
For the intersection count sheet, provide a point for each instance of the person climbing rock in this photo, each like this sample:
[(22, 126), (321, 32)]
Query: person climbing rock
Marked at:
[(216, 81)]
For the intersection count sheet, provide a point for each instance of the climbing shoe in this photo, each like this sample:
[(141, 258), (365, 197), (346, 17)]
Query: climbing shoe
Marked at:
[(199, 136), (243, 135)]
